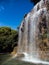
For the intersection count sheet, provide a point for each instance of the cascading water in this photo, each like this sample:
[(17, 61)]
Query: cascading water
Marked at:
[(23, 36), (34, 35)]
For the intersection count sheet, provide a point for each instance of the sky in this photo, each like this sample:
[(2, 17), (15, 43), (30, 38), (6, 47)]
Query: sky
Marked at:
[(12, 12)]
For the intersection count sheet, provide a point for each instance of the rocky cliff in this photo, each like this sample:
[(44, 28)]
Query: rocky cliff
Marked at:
[(34, 32)]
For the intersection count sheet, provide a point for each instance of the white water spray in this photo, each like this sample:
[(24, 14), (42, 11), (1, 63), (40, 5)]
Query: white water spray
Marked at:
[(30, 35)]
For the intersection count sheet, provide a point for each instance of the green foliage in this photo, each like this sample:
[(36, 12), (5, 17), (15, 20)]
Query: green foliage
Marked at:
[(8, 39)]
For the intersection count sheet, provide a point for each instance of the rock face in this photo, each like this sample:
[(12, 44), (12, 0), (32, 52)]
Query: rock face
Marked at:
[(34, 32)]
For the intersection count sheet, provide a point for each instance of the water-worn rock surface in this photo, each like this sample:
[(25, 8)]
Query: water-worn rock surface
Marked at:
[(34, 33)]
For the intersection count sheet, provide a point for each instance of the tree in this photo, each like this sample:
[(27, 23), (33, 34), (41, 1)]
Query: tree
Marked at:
[(8, 39), (35, 1)]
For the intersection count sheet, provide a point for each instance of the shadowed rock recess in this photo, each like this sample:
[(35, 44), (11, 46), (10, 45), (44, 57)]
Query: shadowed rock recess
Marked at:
[(34, 33)]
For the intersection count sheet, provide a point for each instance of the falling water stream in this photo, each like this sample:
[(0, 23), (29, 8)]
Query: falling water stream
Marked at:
[(30, 35)]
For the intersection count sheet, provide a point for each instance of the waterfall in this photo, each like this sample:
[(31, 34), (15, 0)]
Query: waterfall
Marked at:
[(23, 36), (38, 6), (34, 35)]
